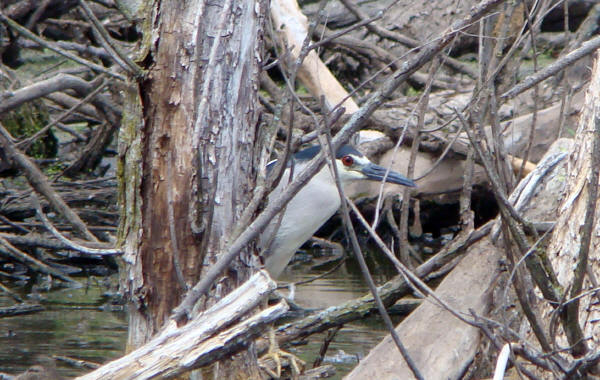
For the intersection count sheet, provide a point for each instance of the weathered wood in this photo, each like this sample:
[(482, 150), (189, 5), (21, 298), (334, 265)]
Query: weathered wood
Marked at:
[(446, 176), (321, 372), (40, 183), (71, 244), (442, 345), (8, 250), (292, 26), (20, 309), (74, 194), (567, 245), (188, 149), (203, 340), (185, 352), (58, 83)]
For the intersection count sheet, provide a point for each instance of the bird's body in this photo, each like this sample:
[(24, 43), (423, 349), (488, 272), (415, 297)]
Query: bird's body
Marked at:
[(300, 222), (315, 203)]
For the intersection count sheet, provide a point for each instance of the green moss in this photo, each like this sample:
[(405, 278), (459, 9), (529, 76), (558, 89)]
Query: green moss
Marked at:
[(411, 91), (301, 90), (54, 169), (27, 120)]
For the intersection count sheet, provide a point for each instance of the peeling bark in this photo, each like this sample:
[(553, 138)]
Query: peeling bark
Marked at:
[(188, 151), (566, 248)]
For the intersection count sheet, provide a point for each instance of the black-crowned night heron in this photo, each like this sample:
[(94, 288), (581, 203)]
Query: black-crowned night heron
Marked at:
[(317, 201)]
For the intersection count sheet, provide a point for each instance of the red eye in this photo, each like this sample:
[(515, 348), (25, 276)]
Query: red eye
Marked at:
[(348, 160)]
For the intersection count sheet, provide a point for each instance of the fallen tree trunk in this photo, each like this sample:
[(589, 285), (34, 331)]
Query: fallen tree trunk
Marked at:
[(442, 345), (204, 340), (292, 27), (574, 249)]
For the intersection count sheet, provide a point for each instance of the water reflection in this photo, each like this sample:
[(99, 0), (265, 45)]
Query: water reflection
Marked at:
[(78, 323)]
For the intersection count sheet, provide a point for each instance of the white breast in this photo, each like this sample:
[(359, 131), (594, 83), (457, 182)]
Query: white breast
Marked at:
[(305, 213)]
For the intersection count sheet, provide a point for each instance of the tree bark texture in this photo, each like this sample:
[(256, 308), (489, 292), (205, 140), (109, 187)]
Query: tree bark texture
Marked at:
[(188, 148), (568, 244)]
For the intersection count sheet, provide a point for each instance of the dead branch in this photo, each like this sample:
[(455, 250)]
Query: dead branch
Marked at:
[(116, 53), (405, 40), (21, 309), (586, 48), (60, 82), (26, 143), (205, 339), (38, 181), (69, 243), (68, 101), (26, 33), (376, 53), (293, 28), (38, 266)]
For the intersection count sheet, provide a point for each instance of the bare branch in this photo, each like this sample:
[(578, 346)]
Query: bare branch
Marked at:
[(60, 82), (109, 45), (587, 48), (38, 181), (69, 243), (31, 262), (26, 33)]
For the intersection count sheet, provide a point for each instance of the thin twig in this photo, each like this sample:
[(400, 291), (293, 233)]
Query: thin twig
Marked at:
[(543, 279), (314, 278), (109, 45), (27, 34), (26, 143), (562, 63), (69, 243), (326, 342), (406, 194), (365, 269), (519, 285)]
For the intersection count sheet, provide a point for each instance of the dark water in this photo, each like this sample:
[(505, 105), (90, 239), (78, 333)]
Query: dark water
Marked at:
[(81, 323), (76, 323)]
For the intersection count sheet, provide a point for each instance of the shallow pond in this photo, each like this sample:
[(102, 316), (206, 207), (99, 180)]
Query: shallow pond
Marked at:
[(77, 323), (354, 340), (82, 324)]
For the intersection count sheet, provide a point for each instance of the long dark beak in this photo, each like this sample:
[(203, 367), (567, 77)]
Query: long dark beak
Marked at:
[(376, 173)]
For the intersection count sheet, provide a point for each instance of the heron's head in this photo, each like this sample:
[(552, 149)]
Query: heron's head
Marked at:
[(354, 166)]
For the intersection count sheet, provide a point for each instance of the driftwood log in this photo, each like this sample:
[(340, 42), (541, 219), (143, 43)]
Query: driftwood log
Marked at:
[(210, 336), (442, 345), (292, 27), (574, 248)]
